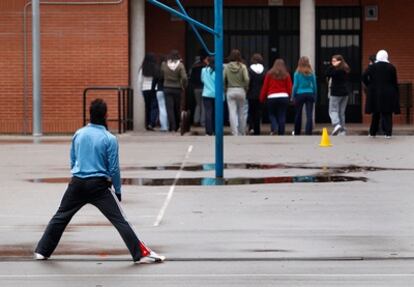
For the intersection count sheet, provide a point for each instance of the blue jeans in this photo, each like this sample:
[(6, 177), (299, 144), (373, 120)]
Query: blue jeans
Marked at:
[(163, 111), (209, 113), (308, 100), (199, 108), (151, 108), (337, 107), (277, 108)]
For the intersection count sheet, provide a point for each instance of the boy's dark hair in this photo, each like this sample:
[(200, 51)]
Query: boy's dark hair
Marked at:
[(97, 111)]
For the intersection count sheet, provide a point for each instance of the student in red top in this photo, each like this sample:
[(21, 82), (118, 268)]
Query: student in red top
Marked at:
[(277, 88)]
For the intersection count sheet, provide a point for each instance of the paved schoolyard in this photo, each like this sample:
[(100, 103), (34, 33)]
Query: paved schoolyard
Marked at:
[(293, 230)]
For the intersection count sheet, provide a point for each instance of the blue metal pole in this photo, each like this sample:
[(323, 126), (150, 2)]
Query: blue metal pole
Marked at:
[(218, 23)]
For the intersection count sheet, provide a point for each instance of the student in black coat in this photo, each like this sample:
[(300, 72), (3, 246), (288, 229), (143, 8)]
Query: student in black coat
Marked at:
[(383, 94), (257, 74)]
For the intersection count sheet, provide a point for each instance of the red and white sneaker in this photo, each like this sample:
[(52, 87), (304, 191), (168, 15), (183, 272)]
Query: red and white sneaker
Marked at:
[(149, 256)]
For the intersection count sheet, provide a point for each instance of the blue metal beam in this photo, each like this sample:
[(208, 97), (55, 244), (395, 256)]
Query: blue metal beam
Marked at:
[(182, 16), (200, 39)]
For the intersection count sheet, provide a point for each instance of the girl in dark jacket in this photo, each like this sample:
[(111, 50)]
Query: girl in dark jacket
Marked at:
[(383, 94), (337, 73), (146, 75), (256, 74)]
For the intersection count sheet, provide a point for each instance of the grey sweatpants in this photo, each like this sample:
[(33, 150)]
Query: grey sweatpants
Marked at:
[(337, 107)]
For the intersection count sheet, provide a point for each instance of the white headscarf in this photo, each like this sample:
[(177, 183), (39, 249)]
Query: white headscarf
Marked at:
[(382, 56)]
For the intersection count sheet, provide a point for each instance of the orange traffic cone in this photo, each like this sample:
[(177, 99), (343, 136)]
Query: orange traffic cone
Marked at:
[(325, 142)]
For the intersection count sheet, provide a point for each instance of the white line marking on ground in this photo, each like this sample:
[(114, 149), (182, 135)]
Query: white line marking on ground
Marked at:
[(280, 276), (172, 188)]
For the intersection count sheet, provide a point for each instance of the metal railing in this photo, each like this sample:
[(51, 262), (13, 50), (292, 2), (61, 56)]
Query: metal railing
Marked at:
[(406, 100), (125, 105)]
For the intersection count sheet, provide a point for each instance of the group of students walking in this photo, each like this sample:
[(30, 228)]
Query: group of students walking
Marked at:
[(248, 88)]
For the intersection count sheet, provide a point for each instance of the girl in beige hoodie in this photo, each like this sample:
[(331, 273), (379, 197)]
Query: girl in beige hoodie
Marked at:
[(175, 81), (236, 80)]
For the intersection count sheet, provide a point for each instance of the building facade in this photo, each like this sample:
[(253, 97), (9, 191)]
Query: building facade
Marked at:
[(103, 44)]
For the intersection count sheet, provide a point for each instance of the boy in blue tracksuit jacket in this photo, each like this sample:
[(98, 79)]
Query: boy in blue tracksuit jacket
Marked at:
[(94, 165)]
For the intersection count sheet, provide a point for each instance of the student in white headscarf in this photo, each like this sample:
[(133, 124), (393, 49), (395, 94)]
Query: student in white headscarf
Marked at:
[(383, 94)]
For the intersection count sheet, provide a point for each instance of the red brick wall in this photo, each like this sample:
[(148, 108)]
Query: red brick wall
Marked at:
[(81, 46), (393, 32)]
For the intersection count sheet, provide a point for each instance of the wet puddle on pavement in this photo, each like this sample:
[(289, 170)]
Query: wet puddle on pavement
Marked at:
[(322, 174), (254, 166), (220, 181)]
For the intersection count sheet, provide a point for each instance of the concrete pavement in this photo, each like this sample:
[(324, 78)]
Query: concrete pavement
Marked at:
[(357, 233)]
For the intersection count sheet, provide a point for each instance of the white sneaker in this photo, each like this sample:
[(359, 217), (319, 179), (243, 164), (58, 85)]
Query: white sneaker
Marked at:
[(336, 129), (37, 256), (342, 133), (151, 258), (387, 137)]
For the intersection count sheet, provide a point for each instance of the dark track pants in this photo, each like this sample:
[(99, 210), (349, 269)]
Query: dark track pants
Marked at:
[(386, 123), (97, 192)]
